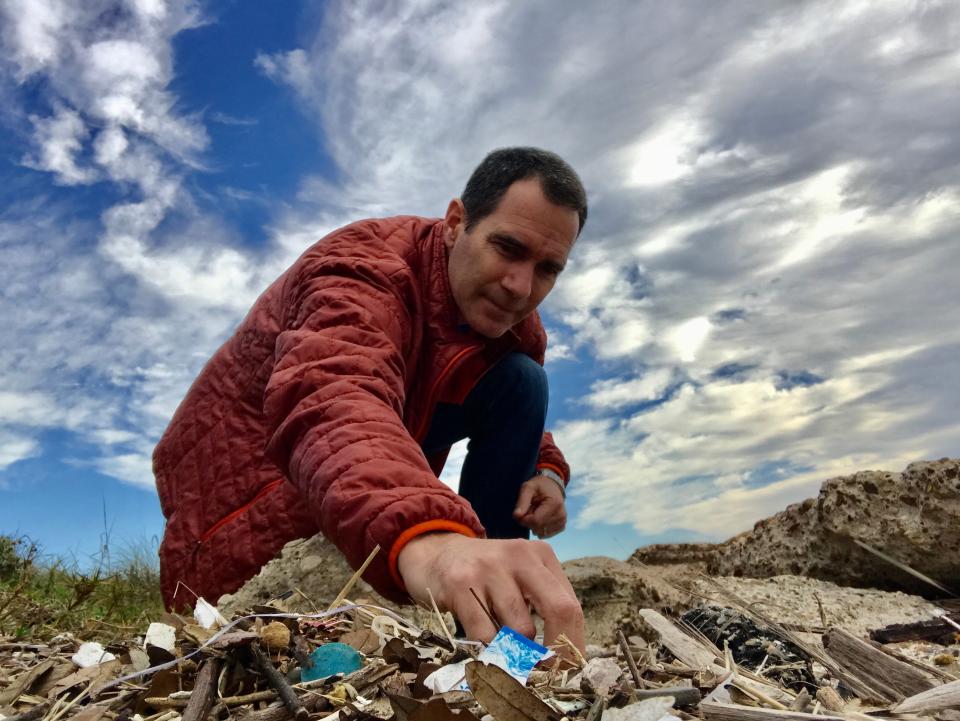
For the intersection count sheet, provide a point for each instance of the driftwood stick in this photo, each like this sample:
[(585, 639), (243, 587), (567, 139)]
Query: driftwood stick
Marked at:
[(930, 630), (279, 683), (634, 671), (204, 689)]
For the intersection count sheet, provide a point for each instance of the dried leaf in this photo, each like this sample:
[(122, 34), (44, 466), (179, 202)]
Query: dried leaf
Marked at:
[(364, 640), (419, 690), (83, 677), (407, 657), (403, 706), (23, 682), (437, 710), (503, 696)]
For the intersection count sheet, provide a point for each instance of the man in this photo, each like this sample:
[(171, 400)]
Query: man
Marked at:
[(333, 406)]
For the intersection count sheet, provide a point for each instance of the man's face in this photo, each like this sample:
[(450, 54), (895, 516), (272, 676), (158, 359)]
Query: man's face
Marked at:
[(507, 263)]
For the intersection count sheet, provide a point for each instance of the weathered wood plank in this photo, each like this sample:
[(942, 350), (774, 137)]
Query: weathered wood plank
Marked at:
[(894, 680), (686, 649), (934, 699), (713, 711)]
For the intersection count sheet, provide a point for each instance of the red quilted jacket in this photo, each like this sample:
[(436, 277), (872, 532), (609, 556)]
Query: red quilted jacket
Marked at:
[(308, 419)]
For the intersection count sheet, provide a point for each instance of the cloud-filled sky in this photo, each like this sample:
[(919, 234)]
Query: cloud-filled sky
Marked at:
[(766, 293)]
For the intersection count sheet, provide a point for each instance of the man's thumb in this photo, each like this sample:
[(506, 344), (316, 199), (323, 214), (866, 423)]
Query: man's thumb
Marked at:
[(523, 501)]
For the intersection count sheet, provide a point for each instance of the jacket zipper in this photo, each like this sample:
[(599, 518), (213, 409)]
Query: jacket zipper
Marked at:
[(435, 388), (233, 514)]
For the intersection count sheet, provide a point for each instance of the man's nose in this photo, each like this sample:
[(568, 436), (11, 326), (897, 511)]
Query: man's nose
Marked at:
[(518, 280)]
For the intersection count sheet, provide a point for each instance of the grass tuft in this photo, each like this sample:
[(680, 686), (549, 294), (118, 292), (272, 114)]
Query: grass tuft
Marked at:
[(42, 596)]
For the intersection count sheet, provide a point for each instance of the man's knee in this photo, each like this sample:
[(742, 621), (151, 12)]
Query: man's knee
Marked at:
[(521, 377)]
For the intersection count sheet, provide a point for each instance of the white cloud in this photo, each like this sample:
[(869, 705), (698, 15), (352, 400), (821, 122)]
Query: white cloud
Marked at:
[(15, 448), (59, 139)]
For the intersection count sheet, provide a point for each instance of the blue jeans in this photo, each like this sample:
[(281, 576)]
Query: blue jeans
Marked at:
[(503, 417)]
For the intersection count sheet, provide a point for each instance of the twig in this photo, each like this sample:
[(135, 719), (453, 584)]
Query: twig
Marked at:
[(279, 683), (306, 598), (167, 702), (354, 578), (625, 647), (493, 619), (443, 624), (204, 690)]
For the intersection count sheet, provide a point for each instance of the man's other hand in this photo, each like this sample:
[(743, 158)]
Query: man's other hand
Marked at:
[(540, 507), (509, 576)]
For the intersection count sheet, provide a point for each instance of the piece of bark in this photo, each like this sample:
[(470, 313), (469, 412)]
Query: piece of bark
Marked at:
[(686, 649), (934, 699), (279, 683), (712, 711), (204, 691), (831, 700), (893, 680)]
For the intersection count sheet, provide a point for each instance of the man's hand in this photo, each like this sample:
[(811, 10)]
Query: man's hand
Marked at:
[(540, 507), (509, 576)]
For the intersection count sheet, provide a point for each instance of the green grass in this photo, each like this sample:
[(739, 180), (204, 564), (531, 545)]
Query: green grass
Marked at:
[(41, 596)]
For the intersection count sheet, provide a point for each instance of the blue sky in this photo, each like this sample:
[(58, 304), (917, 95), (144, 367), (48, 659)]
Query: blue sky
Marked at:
[(765, 295)]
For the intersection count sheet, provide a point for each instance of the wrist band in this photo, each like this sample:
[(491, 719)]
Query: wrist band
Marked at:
[(554, 476)]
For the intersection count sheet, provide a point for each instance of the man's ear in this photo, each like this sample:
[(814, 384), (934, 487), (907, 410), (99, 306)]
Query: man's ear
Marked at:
[(453, 222)]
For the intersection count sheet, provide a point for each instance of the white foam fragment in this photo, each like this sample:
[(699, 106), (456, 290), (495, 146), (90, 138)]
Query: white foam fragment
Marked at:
[(161, 635), (207, 614), (91, 653), (451, 677)]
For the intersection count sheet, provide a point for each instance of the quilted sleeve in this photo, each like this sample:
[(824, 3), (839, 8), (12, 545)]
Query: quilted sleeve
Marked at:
[(334, 406), (551, 457)]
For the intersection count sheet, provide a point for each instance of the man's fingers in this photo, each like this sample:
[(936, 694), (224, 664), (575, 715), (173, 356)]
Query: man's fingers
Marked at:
[(550, 516), (557, 606), (476, 625), (511, 608)]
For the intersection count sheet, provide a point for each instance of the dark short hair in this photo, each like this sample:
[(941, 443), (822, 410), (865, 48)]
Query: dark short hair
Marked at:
[(502, 168)]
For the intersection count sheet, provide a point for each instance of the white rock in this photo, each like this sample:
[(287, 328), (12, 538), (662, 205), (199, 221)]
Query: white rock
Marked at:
[(601, 674), (91, 653), (207, 614), (161, 635)]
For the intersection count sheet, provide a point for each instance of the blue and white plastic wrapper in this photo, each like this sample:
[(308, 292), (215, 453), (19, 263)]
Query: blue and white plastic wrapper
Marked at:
[(513, 652)]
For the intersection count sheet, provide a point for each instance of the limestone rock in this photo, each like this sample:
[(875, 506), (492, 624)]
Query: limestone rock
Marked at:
[(611, 592), (912, 516), (812, 603), (313, 568)]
